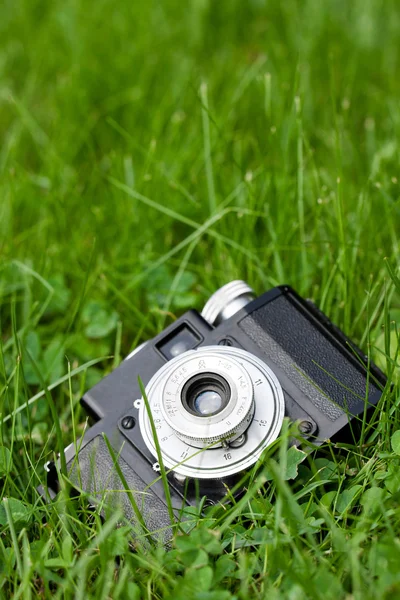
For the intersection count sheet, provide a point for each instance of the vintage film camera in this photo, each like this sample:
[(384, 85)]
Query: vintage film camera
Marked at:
[(218, 385)]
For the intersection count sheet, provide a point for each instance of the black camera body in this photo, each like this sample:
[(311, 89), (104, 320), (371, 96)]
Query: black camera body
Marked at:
[(310, 372)]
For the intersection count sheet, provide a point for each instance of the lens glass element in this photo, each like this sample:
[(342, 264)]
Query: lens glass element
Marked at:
[(205, 394), (208, 402)]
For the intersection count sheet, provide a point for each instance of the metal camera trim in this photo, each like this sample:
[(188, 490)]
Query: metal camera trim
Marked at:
[(227, 301), (227, 424), (261, 424)]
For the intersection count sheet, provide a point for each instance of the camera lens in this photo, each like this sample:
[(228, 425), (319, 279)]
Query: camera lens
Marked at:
[(205, 394), (211, 399)]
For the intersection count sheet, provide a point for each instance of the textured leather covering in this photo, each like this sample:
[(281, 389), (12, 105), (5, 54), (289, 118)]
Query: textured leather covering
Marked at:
[(309, 359), (97, 475)]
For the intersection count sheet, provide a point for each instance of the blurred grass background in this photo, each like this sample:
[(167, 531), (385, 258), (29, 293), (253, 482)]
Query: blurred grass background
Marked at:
[(150, 152)]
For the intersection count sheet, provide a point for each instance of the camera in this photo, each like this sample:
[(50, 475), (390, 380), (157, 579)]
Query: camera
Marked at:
[(218, 385)]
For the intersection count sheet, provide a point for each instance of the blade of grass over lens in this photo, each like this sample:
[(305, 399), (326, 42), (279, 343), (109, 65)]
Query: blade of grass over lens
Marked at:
[(159, 453)]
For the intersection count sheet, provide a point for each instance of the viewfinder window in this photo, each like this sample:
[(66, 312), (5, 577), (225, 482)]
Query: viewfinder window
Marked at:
[(182, 339)]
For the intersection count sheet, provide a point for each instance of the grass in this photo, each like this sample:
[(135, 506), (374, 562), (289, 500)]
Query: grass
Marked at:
[(150, 153)]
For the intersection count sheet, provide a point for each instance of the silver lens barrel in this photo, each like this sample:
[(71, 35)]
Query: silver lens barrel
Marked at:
[(226, 440), (227, 301), (226, 424)]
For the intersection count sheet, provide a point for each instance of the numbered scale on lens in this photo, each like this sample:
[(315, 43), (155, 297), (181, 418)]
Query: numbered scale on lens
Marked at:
[(212, 439)]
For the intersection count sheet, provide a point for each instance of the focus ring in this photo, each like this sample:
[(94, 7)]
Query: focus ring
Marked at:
[(200, 431), (228, 435)]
